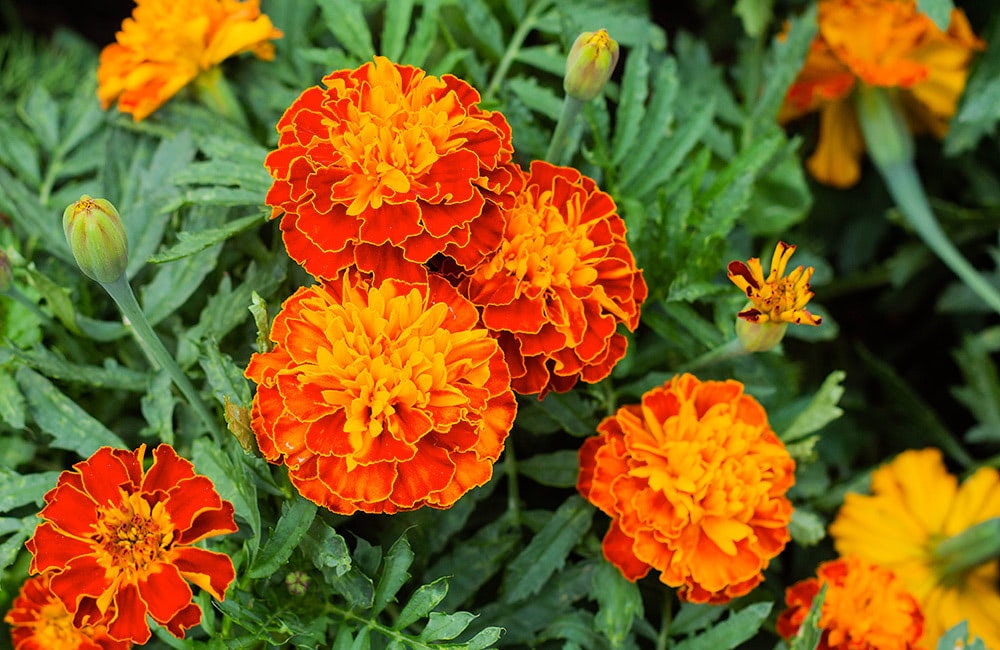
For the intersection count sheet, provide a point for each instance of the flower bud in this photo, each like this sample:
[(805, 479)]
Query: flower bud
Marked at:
[(97, 238), (589, 65), (297, 583), (760, 336), (6, 275)]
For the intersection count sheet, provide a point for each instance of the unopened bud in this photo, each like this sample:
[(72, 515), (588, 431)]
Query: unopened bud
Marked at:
[(97, 238), (760, 337), (589, 65), (297, 583), (6, 275)]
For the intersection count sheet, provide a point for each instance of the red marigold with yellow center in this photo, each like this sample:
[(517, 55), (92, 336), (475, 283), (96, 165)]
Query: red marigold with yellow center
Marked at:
[(915, 505), (560, 282), (381, 397), (866, 607), (388, 166), (694, 481), (39, 621), (886, 43), (165, 45), (119, 539), (776, 298)]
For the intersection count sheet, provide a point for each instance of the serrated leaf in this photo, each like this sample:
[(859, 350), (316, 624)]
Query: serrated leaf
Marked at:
[(485, 638), (394, 574), (656, 123), (572, 413), (979, 109), (822, 409), (424, 35), (982, 384), (958, 637), (327, 548), (536, 97), (192, 242), (555, 469), (19, 490), (475, 561), (56, 367), (157, 406), (445, 627), (346, 20), (12, 404), (695, 616), (810, 634), (223, 375), (395, 26), (631, 103), (57, 297), (296, 517), (484, 26), (69, 425), (232, 480), (754, 14), (41, 113), (547, 551), (619, 603), (13, 545), (424, 599), (938, 11), (738, 627), (806, 527)]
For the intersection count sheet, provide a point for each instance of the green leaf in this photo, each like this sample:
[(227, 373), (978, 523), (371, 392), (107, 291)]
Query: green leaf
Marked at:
[(394, 574), (69, 425), (157, 406), (19, 490), (810, 634), (695, 616), (485, 27), (937, 10), (485, 638), (755, 15), (57, 297), (806, 527), (540, 99), (192, 242), (424, 35), (445, 627), (12, 405), (346, 20), (958, 637), (55, 366), (223, 375), (573, 414), (548, 550), (475, 561), (979, 108), (32, 218), (424, 599), (656, 123), (555, 469), (619, 602), (296, 517), (631, 103), (982, 384), (395, 26), (326, 548), (41, 113), (14, 545), (231, 477), (822, 409), (738, 627)]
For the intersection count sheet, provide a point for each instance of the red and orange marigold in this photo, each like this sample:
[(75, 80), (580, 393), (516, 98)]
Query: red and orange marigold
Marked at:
[(694, 481), (865, 607), (39, 621), (166, 45), (388, 166), (560, 282), (381, 396), (119, 540)]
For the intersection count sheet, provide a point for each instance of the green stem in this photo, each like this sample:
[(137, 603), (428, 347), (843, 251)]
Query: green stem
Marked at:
[(558, 146), (668, 618), (214, 91), (890, 145), (956, 555), (27, 303), (516, 41), (730, 350), (121, 292), (513, 490)]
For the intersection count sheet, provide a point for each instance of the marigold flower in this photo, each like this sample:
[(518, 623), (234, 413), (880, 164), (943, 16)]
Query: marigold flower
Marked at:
[(886, 43), (916, 504), (388, 166), (560, 282), (39, 621), (381, 397), (119, 540), (165, 45), (776, 298), (866, 607), (694, 480)]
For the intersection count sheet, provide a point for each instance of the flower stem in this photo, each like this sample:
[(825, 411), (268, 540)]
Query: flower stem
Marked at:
[(558, 146), (214, 91), (668, 618), (514, 46), (959, 553), (513, 491), (730, 350), (891, 148), (121, 292)]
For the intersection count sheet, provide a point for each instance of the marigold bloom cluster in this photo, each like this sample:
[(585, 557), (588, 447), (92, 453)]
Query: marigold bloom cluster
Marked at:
[(694, 481), (915, 504), (775, 298), (865, 608), (165, 45), (381, 396), (118, 542), (39, 621), (886, 43)]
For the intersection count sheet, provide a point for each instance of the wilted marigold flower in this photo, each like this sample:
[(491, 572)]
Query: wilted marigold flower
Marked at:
[(884, 43), (165, 45), (388, 166), (381, 396), (865, 608), (39, 621), (776, 298), (914, 506), (118, 540), (560, 282), (694, 481)]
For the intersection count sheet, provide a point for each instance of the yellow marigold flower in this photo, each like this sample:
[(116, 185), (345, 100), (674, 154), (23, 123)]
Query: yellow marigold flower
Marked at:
[(694, 480), (776, 298), (866, 608), (915, 505), (165, 45), (885, 43)]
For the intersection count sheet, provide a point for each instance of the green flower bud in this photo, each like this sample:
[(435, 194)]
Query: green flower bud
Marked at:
[(760, 337), (297, 583), (97, 238), (589, 65), (6, 275)]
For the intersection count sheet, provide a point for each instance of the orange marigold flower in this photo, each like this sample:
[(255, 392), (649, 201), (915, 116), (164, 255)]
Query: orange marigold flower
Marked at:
[(119, 539), (776, 298), (694, 480), (388, 166), (39, 621), (560, 282), (916, 504), (886, 43), (381, 397), (165, 45), (866, 607)]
